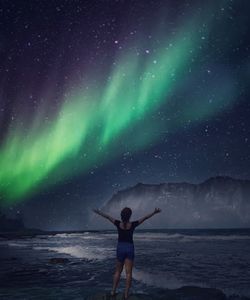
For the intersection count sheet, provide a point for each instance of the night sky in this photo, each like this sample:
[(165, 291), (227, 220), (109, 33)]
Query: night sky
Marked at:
[(96, 96)]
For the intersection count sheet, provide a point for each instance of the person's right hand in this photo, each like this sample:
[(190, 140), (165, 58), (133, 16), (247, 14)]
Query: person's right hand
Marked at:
[(97, 211), (157, 210)]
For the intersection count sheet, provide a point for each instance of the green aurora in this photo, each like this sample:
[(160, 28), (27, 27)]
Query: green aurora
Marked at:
[(99, 122)]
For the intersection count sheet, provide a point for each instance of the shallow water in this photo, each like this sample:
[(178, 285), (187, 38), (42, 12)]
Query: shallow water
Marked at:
[(164, 259)]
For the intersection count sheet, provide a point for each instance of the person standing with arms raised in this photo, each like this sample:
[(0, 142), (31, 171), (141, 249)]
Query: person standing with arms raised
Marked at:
[(125, 246)]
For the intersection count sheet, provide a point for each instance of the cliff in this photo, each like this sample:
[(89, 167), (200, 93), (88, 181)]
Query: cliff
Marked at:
[(216, 202)]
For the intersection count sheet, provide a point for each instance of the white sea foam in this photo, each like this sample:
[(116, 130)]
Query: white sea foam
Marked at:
[(182, 237), (88, 253), (68, 235), (92, 237), (160, 279), (13, 244), (156, 236), (84, 236), (216, 237)]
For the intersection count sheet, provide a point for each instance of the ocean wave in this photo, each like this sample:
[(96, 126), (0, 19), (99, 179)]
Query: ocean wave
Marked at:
[(167, 280), (159, 279), (93, 237), (185, 237), (85, 236), (13, 244), (68, 235), (216, 237), (157, 236), (88, 253)]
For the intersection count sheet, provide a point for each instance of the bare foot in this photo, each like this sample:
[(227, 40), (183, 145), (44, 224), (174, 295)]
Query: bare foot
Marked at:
[(113, 293)]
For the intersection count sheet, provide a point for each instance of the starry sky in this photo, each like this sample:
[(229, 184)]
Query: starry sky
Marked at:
[(96, 96)]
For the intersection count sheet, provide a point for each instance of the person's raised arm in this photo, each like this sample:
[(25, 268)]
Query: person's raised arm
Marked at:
[(156, 211), (100, 213)]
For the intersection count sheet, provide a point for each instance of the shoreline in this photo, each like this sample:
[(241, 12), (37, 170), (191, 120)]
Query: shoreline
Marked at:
[(21, 263), (32, 232)]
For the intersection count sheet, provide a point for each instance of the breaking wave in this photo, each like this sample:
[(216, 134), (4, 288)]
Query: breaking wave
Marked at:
[(184, 237), (88, 253), (160, 279)]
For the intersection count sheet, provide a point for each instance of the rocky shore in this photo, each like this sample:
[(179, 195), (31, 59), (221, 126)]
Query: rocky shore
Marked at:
[(183, 293)]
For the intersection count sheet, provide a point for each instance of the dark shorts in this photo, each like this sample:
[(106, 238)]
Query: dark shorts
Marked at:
[(125, 250)]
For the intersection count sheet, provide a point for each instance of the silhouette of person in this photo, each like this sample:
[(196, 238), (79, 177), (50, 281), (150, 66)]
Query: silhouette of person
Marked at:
[(125, 246)]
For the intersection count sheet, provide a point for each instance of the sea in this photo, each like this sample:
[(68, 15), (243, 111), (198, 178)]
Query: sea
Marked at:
[(164, 259)]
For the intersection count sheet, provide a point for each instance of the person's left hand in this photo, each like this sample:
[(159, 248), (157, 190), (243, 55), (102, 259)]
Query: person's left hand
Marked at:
[(157, 210)]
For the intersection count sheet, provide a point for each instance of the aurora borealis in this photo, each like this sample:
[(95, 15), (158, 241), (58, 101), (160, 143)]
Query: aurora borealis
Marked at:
[(115, 88), (136, 88)]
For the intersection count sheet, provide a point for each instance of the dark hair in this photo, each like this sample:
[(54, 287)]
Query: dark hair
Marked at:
[(126, 214)]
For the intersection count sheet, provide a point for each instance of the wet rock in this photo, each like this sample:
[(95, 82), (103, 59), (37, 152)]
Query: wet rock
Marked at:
[(194, 293), (184, 293), (119, 296), (59, 260)]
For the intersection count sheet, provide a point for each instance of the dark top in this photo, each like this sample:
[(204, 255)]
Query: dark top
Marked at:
[(126, 235)]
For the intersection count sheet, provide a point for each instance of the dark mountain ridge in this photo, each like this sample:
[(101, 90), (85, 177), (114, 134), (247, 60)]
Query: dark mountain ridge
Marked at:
[(217, 202)]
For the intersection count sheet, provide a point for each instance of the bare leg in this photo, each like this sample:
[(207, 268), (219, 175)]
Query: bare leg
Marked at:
[(128, 268), (117, 275)]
